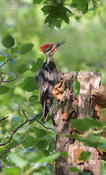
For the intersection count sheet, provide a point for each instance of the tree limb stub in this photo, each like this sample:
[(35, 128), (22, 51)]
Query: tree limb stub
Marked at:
[(90, 101)]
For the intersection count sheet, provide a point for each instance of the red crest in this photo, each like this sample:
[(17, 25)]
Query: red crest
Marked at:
[(45, 46)]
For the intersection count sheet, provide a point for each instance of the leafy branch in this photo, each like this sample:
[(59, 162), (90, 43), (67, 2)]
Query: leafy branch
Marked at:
[(58, 11), (4, 63), (17, 128)]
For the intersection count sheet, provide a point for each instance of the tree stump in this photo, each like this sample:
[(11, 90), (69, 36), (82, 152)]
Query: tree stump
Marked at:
[(88, 103)]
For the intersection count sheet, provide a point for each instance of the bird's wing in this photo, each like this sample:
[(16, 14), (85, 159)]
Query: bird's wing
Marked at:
[(43, 98)]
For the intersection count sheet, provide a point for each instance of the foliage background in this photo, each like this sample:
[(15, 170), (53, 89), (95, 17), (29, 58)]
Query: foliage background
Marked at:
[(85, 49)]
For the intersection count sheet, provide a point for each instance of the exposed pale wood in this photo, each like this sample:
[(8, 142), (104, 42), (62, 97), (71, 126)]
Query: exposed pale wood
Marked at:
[(88, 81), (68, 108)]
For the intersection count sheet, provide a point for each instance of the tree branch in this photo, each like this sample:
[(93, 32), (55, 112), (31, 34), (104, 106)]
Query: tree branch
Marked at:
[(4, 62), (6, 81), (7, 150), (22, 124), (4, 118), (14, 131), (44, 125)]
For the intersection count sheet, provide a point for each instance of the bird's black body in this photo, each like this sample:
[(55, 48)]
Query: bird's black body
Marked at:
[(46, 79)]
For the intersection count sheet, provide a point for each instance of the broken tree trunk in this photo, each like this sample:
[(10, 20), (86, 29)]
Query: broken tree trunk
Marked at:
[(88, 103)]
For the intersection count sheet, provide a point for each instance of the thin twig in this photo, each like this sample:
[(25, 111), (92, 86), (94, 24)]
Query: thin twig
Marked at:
[(14, 131), (25, 115), (22, 124), (44, 125), (2, 78), (6, 81), (4, 118), (4, 62), (34, 118), (7, 150)]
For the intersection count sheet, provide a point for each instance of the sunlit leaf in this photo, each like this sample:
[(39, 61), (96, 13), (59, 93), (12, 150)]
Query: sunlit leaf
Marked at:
[(103, 167), (90, 140), (94, 141), (8, 41), (51, 157), (17, 160), (10, 171), (85, 124)]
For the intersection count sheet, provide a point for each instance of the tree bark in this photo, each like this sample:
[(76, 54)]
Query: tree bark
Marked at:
[(88, 103)]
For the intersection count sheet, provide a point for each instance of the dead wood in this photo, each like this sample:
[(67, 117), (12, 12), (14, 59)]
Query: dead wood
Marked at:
[(99, 96), (88, 103)]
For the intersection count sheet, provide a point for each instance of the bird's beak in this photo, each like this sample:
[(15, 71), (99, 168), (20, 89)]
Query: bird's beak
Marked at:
[(59, 44)]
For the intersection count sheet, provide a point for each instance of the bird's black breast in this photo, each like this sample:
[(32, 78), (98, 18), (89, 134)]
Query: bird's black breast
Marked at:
[(52, 67), (48, 72)]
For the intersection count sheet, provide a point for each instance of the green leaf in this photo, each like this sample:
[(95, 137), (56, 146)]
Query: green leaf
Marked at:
[(15, 50), (103, 167), (46, 9), (90, 140), (51, 157), (8, 41), (73, 136), (29, 84), (84, 155), (36, 1), (29, 141), (53, 21), (40, 132), (94, 141), (36, 65), (33, 99), (10, 171), (17, 160), (56, 14), (81, 5), (4, 89), (42, 144), (22, 68), (26, 48), (73, 169), (85, 124), (66, 19)]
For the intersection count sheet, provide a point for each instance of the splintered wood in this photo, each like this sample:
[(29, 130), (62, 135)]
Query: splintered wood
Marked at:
[(90, 101), (87, 106)]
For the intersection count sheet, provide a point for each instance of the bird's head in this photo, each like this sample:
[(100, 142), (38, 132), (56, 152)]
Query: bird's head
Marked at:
[(49, 49)]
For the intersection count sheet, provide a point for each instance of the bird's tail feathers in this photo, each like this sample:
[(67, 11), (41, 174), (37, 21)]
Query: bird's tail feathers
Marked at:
[(45, 111), (48, 108)]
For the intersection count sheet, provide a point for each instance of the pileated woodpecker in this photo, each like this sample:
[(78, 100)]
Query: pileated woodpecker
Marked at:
[(47, 78)]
